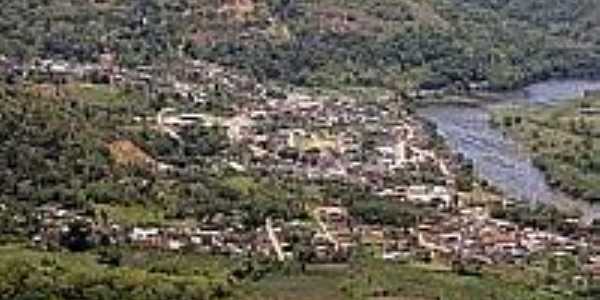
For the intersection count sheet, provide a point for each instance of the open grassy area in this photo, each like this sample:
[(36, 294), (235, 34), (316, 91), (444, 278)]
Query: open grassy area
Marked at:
[(317, 284), (410, 282), (133, 214), (380, 280)]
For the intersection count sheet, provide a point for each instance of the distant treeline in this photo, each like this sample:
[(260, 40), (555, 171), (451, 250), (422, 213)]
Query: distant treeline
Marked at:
[(394, 43)]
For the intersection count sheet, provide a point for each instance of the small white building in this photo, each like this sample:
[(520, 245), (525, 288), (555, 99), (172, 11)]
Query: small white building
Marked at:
[(141, 234), (439, 195)]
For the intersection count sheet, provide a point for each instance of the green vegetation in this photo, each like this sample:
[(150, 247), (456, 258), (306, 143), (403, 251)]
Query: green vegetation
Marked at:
[(539, 216), (135, 274), (564, 142), (393, 43), (79, 146), (26, 274), (317, 283), (387, 213), (132, 214), (70, 150), (374, 280), (414, 282)]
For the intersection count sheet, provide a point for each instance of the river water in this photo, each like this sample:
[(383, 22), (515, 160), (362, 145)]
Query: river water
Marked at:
[(496, 157)]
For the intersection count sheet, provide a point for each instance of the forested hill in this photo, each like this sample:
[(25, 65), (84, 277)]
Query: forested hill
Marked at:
[(396, 43)]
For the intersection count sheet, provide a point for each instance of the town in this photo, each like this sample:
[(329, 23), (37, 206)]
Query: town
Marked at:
[(376, 144)]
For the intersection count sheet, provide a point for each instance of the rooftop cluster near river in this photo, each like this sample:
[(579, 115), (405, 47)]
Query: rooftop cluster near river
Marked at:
[(373, 143)]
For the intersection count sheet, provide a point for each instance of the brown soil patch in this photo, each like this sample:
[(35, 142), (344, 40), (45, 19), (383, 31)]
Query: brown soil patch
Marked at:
[(425, 14), (238, 8), (125, 152), (43, 90)]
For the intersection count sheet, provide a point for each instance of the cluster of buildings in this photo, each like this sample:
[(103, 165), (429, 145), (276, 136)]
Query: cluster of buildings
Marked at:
[(374, 143), (220, 234), (473, 235), (331, 235), (195, 81)]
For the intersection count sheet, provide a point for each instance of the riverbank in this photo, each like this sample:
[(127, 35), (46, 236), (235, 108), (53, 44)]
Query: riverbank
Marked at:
[(541, 91), (496, 156), (458, 100), (564, 142)]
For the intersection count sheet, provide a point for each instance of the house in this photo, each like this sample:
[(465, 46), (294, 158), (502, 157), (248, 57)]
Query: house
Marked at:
[(333, 214), (437, 195), (142, 235)]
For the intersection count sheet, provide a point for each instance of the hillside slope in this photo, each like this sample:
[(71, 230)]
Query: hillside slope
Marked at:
[(396, 43)]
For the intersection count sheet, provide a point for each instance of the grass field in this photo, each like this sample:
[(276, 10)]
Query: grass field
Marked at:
[(380, 280), (317, 284)]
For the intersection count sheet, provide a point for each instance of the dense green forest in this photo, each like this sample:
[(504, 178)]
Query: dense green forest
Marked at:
[(394, 43)]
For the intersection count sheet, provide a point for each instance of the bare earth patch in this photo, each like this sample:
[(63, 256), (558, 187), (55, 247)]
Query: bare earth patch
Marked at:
[(125, 152)]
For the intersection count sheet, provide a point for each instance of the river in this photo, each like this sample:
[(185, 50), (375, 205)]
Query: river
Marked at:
[(498, 158)]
